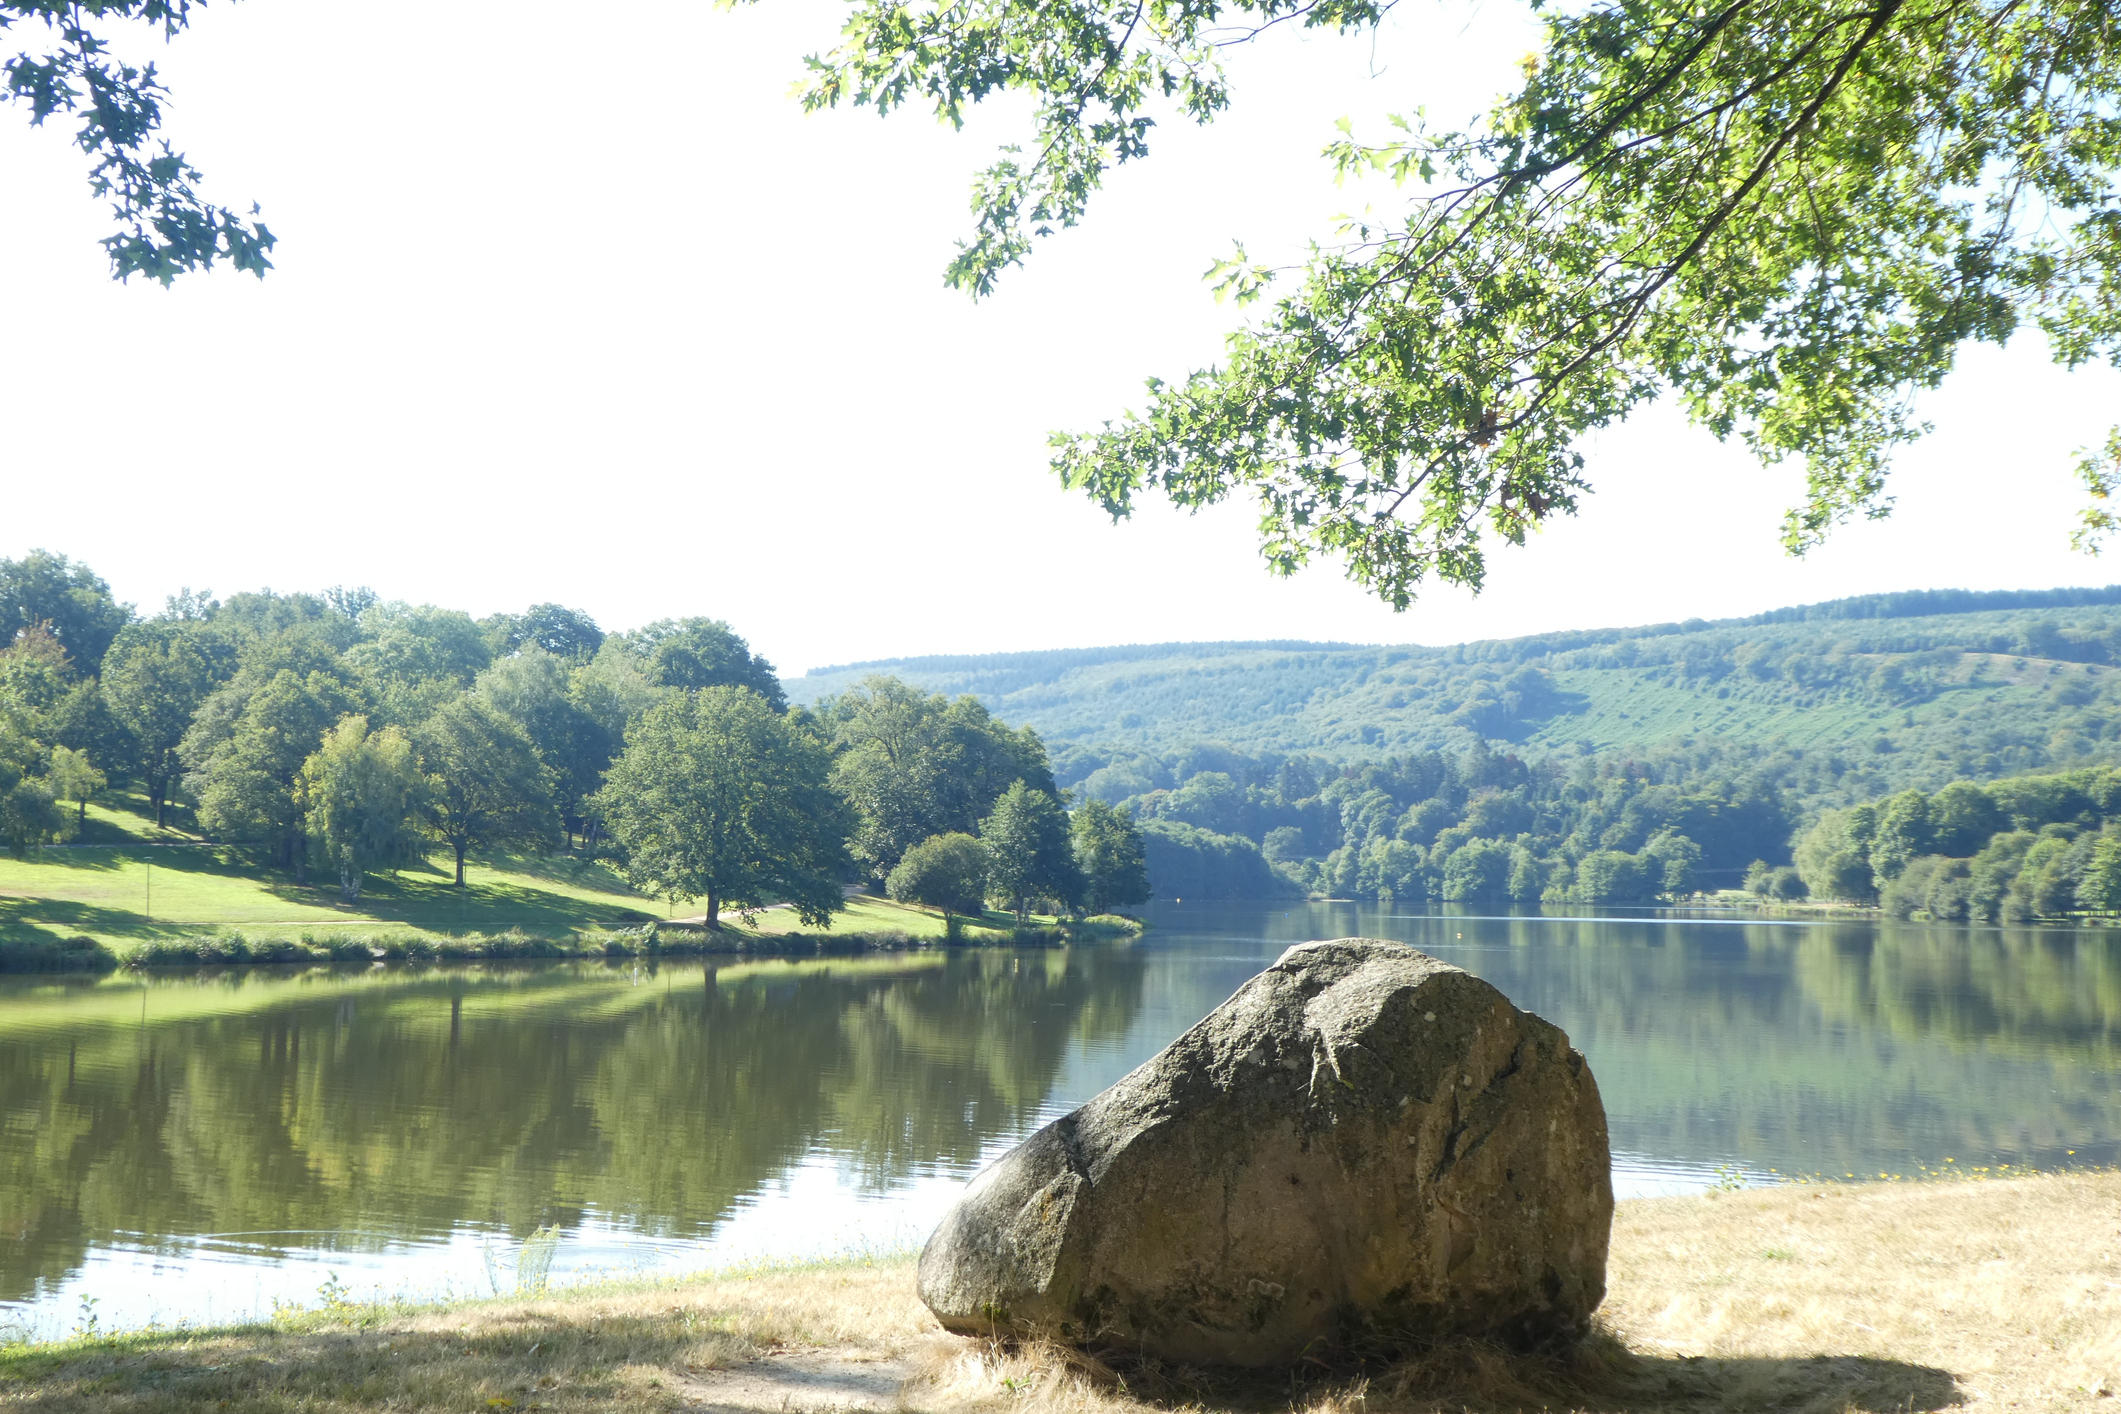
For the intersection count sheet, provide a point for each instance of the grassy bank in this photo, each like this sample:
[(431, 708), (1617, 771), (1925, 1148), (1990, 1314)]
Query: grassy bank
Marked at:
[(179, 903), (130, 893), (1820, 1298)]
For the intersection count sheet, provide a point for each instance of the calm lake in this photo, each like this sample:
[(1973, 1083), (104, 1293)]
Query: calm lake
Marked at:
[(198, 1147)]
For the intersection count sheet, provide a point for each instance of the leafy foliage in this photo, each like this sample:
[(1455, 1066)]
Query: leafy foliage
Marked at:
[(696, 653), (717, 796), (164, 227), (1032, 855), (1791, 217), (2013, 849), (155, 680), (64, 596), (362, 793), (947, 872), (245, 775), (1108, 852), (485, 786), (912, 765)]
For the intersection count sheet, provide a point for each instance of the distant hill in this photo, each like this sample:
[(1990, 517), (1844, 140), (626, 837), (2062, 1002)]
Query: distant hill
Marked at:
[(1878, 691)]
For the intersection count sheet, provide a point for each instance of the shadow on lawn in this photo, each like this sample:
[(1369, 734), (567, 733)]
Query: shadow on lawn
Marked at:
[(20, 919), (423, 896), (545, 1356)]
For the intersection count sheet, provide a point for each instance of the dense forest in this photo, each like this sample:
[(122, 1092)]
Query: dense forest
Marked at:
[(1598, 766), (346, 733), (1838, 702), (2008, 850)]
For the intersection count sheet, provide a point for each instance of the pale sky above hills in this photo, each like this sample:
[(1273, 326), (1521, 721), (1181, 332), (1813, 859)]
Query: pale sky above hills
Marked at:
[(580, 307)]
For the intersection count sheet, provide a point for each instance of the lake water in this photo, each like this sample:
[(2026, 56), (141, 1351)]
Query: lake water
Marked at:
[(199, 1147)]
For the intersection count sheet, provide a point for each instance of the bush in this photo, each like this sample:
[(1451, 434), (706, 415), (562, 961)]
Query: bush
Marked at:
[(947, 872), (44, 953)]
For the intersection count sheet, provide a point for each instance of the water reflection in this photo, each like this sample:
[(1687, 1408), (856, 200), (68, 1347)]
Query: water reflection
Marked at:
[(382, 1106), (1835, 1048), (155, 1134)]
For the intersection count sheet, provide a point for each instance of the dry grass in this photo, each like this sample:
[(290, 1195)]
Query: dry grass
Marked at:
[(1830, 1299)]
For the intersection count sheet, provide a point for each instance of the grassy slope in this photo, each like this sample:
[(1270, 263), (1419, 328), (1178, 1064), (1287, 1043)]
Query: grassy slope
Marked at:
[(1866, 1297), (103, 892)]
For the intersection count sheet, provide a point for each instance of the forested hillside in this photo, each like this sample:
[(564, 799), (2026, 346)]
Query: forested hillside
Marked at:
[(1840, 702), (1605, 766)]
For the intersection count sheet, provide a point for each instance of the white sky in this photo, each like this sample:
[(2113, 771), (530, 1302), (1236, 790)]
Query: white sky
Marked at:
[(573, 303)]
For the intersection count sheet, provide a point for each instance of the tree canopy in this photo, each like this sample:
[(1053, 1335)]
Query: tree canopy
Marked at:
[(361, 795), (914, 764), (719, 797), (1791, 217), (946, 872), (1032, 855), (485, 784)]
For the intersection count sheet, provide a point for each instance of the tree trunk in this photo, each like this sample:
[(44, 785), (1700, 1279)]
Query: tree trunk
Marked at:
[(460, 862), (160, 795), (714, 911)]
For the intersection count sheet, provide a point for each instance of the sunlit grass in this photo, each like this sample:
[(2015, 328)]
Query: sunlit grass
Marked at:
[(126, 896)]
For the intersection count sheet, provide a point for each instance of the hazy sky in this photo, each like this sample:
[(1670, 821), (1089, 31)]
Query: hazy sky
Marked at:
[(573, 303)]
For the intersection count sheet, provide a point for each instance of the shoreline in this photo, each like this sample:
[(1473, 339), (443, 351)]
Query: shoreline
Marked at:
[(232, 947), (1869, 1296)]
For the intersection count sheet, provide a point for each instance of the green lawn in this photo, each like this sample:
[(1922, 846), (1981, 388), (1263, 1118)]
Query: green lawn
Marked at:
[(126, 895), (866, 913), (129, 894)]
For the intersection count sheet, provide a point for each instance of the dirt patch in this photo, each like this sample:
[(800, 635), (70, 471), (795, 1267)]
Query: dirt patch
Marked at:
[(802, 1381)]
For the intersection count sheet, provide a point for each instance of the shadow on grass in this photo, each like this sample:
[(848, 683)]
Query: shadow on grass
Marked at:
[(562, 1357), (573, 870), (25, 918), (1470, 1376), (422, 896), (433, 901), (529, 1356)]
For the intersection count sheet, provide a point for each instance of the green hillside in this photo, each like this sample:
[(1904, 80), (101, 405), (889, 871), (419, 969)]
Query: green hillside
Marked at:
[(1856, 697)]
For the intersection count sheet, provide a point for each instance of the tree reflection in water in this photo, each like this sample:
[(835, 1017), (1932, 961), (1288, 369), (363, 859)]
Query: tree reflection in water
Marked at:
[(384, 1105)]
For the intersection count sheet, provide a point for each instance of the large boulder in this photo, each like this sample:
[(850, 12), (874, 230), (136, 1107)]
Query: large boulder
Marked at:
[(1362, 1148)]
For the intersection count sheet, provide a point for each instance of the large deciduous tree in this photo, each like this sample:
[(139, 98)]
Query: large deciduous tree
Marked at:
[(532, 688), (914, 764), (64, 596), (697, 653), (75, 779), (719, 797), (1789, 216), (155, 679), (1027, 838), (164, 226), (245, 782), (361, 795), (563, 632), (486, 787), (29, 811), (1108, 853)]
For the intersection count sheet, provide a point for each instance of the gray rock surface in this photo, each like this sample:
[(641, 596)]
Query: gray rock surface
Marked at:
[(1364, 1146)]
